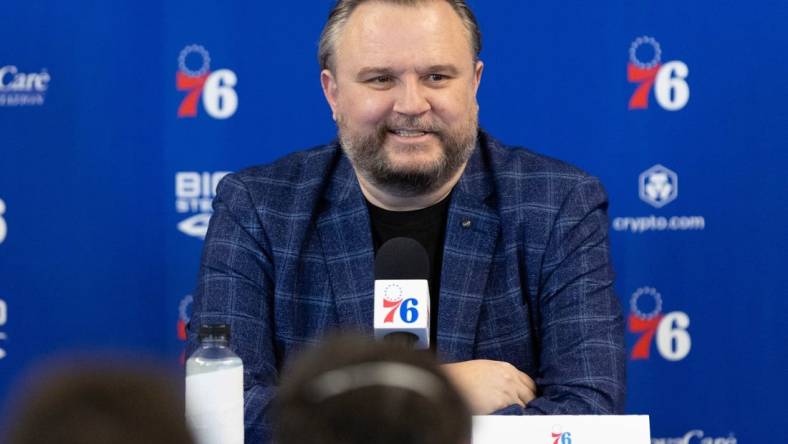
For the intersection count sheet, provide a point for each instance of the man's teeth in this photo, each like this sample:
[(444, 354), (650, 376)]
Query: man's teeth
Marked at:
[(407, 133)]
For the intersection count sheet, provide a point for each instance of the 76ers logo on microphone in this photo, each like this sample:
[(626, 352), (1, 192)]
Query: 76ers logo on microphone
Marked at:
[(646, 318), (398, 306), (215, 87), (669, 80)]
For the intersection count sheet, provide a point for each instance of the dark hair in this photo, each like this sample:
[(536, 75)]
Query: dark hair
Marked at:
[(100, 404), (342, 10), (351, 390)]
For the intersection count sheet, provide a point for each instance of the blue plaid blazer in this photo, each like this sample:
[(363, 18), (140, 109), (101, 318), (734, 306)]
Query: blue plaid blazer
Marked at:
[(288, 257)]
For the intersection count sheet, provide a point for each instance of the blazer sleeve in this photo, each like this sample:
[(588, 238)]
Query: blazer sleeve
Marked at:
[(236, 287), (582, 367)]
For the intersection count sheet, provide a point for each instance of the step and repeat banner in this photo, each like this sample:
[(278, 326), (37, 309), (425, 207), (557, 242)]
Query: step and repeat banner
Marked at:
[(118, 119)]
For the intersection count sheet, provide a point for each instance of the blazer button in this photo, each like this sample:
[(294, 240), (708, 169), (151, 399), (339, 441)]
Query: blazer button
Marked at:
[(466, 224)]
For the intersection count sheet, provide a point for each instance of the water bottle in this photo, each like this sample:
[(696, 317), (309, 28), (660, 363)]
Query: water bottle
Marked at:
[(214, 389)]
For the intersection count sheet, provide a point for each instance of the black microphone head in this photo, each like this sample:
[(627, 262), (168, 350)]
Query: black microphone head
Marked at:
[(402, 258)]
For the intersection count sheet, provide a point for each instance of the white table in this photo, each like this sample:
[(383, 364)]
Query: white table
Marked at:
[(631, 429)]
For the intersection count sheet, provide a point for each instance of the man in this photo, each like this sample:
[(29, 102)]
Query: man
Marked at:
[(352, 390), (524, 313), (99, 403)]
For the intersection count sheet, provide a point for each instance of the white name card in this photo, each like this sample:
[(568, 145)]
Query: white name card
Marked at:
[(632, 429)]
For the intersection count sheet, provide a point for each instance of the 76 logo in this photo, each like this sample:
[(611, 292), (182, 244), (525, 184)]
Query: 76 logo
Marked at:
[(668, 80), (407, 307), (407, 310), (670, 329), (216, 88)]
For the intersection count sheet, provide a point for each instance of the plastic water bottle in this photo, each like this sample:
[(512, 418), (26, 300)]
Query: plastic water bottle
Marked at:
[(214, 389)]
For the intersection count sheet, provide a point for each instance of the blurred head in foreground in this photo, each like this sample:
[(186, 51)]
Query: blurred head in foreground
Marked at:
[(352, 390), (99, 405)]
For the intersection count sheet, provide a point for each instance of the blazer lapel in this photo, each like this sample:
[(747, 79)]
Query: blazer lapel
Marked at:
[(472, 231), (346, 237)]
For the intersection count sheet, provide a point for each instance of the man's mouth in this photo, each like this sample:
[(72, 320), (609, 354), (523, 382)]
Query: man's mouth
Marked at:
[(408, 132)]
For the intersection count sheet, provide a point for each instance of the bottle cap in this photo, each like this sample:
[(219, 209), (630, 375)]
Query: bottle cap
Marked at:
[(217, 331)]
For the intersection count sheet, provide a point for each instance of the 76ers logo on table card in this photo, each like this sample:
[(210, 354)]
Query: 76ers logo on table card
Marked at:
[(561, 437), (669, 80), (398, 306), (670, 329), (216, 88)]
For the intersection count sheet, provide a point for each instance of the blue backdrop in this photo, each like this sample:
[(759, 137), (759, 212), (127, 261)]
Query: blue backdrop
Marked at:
[(118, 118)]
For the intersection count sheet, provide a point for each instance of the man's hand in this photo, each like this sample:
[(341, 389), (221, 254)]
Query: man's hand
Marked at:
[(488, 386)]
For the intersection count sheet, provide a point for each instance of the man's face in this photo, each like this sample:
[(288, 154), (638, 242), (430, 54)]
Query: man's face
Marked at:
[(403, 92)]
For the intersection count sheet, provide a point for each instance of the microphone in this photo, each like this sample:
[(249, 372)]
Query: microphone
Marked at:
[(402, 294)]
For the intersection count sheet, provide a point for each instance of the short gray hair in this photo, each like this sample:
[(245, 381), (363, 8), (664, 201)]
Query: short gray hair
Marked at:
[(344, 8)]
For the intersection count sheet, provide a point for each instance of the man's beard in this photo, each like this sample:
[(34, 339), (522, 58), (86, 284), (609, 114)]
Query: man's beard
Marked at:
[(369, 158)]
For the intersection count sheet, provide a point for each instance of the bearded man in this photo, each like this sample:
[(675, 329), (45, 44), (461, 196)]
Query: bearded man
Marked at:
[(524, 315)]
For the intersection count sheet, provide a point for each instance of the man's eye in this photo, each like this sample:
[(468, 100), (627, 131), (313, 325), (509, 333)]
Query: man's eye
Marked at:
[(437, 77), (380, 79)]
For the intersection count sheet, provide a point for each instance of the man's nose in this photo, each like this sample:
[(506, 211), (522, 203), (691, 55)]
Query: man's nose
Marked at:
[(411, 99)]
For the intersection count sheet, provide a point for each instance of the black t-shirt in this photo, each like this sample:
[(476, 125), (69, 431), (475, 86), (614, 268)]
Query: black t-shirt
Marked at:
[(428, 227)]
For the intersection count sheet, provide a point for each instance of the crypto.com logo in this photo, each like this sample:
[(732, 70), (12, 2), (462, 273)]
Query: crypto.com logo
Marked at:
[(646, 318), (216, 88), (658, 186), (668, 80)]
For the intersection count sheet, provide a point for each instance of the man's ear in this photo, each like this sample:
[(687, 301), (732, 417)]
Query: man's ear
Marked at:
[(477, 75), (329, 84)]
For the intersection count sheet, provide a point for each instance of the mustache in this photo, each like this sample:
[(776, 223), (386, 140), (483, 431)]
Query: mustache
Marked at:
[(411, 123)]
